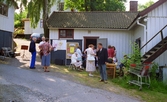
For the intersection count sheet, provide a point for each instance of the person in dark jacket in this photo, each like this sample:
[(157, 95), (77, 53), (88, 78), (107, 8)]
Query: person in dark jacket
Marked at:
[(32, 49), (102, 59)]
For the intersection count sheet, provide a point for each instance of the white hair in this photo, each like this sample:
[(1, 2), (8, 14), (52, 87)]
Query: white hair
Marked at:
[(43, 37), (34, 38)]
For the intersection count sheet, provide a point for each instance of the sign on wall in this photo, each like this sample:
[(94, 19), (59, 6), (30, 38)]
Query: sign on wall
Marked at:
[(59, 44), (71, 46)]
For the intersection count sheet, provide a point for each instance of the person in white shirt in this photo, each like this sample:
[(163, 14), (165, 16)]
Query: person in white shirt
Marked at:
[(79, 53), (75, 61)]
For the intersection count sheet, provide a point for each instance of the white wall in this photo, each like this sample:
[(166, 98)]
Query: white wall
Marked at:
[(27, 27), (157, 19), (139, 33), (120, 39), (7, 22), (38, 29)]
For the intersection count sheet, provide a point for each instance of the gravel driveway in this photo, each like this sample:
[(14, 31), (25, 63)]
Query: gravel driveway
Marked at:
[(21, 85), (18, 83)]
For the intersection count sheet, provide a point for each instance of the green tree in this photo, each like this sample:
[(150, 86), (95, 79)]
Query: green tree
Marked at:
[(96, 5), (146, 5), (38, 7), (35, 9), (18, 19)]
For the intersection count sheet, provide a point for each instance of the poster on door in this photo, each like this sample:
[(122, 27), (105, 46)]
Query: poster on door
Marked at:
[(59, 44), (71, 47)]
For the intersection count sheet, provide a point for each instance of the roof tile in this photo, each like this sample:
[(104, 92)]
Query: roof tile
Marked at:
[(108, 20)]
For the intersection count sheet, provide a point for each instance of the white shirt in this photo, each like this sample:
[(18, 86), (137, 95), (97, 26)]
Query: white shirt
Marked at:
[(42, 42), (73, 58)]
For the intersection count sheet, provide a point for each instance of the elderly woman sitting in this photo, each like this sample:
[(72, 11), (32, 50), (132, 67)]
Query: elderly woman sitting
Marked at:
[(74, 60)]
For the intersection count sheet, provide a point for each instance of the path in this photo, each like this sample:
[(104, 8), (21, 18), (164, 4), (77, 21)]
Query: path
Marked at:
[(21, 85)]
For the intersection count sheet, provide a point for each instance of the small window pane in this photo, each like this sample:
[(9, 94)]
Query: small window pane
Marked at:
[(1, 9), (66, 33), (5, 11), (69, 33), (41, 23), (61, 6), (62, 33)]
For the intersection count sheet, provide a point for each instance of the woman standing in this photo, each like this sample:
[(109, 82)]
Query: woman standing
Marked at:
[(90, 61), (46, 48), (115, 53)]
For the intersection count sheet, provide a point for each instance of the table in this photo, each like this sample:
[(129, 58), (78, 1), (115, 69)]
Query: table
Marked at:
[(111, 69)]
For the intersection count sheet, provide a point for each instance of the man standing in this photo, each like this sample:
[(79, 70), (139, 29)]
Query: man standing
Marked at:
[(102, 59), (32, 49)]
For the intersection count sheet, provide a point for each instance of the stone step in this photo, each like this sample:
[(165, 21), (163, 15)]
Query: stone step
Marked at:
[(152, 52), (148, 56), (157, 48), (143, 59)]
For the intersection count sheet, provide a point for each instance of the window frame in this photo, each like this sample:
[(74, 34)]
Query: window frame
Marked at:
[(61, 6), (4, 9), (41, 23), (72, 37)]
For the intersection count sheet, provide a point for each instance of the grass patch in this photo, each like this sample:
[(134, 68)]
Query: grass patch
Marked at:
[(156, 93)]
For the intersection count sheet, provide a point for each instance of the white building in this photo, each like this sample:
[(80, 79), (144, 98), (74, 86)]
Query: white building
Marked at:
[(6, 25), (118, 29), (59, 6)]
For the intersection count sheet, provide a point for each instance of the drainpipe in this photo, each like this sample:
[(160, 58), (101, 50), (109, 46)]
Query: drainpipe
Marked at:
[(145, 33)]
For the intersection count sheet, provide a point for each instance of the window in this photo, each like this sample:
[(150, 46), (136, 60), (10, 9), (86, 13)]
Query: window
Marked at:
[(66, 33), (61, 6), (41, 23), (3, 9)]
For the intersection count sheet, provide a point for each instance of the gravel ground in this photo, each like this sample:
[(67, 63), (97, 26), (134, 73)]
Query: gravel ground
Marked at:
[(18, 83)]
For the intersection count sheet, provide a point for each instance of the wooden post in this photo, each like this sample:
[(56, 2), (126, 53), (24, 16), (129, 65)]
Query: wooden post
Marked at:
[(162, 36)]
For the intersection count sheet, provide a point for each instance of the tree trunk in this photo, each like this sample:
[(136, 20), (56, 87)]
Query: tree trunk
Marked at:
[(45, 17), (86, 5)]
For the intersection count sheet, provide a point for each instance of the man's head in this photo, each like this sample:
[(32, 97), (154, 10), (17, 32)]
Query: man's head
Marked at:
[(99, 45), (34, 39), (43, 38)]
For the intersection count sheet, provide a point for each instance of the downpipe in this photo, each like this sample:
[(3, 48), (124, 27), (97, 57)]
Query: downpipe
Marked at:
[(145, 33)]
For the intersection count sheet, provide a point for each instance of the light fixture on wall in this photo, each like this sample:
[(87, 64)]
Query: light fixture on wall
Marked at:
[(146, 19)]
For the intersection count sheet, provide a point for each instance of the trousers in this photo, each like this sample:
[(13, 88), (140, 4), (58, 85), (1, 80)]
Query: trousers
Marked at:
[(103, 72), (33, 59)]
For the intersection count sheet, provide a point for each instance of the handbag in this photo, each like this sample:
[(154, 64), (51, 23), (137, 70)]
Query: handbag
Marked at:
[(41, 54), (90, 58)]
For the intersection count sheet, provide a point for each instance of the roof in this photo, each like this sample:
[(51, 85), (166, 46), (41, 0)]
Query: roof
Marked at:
[(105, 20), (152, 7)]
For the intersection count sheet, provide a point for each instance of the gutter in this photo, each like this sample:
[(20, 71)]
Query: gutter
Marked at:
[(145, 33)]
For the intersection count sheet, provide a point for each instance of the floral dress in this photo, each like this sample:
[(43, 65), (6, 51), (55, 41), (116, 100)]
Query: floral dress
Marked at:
[(90, 65)]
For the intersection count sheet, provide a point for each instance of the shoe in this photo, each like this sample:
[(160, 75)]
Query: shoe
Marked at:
[(32, 67), (101, 80), (105, 82), (90, 75)]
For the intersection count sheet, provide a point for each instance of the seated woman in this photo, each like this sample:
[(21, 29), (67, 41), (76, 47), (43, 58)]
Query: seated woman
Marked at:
[(75, 61)]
